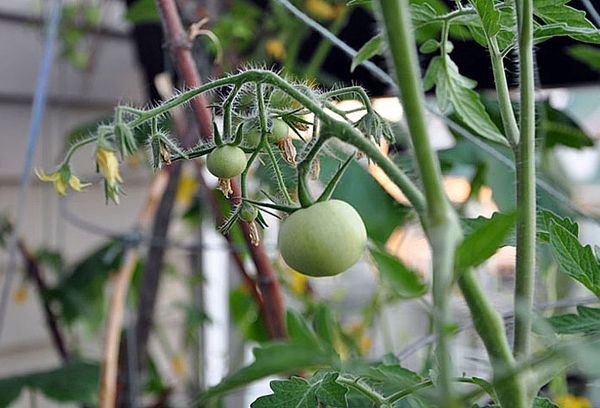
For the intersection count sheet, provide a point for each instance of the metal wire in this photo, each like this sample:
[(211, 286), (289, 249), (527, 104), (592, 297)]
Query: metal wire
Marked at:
[(593, 13), (507, 316), (133, 235), (37, 115)]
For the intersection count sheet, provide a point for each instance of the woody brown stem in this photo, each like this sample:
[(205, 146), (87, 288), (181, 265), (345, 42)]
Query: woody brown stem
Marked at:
[(180, 49)]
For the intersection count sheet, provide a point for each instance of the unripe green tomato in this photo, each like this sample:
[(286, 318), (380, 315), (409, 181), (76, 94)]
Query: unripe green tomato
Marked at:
[(279, 130), (324, 239), (226, 162), (252, 135), (248, 212)]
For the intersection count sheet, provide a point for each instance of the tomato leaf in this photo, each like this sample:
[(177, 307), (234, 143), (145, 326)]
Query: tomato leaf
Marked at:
[(561, 19), (490, 17), (543, 403), (546, 219), (586, 54), (586, 321), (484, 241), (374, 46), (455, 92), (76, 381), (403, 281), (574, 259), (302, 350), (320, 390)]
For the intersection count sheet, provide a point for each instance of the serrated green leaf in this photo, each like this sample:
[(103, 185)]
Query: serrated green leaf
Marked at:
[(574, 259), (298, 392), (564, 20), (490, 17), (544, 403), (403, 281), (454, 91), (546, 219), (330, 392), (587, 321), (484, 241), (375, 46), (587, 54), (294, 393)]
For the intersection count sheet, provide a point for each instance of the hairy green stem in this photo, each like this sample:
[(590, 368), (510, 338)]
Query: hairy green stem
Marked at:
[(526, 205), (365, 390), (278, 175), (227, 105), (351, 90), (441, 223), (490, 326), (264, 143), (507, 113)]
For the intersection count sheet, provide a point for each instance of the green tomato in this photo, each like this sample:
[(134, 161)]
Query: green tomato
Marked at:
[(248, 212), (279, 130), (226, 162), (251, 135), (324, 239)]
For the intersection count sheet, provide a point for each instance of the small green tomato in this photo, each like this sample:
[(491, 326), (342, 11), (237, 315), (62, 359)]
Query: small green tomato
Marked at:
[(324, 239), (248, 212), (279, 130), (251, 135), (226, 162)]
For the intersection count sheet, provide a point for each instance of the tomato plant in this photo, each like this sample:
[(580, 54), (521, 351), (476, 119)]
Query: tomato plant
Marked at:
[(321, 236)]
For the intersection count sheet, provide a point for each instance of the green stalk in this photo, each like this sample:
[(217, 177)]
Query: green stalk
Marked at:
[(490, 326), (441, 223), (526, 205), (506, 111)]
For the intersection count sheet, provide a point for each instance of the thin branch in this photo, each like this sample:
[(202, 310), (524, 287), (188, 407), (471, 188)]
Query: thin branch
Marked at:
[(33, 269)]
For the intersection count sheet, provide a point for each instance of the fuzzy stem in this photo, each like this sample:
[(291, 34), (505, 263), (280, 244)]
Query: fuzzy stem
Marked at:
[(490, 326), (367, 391), (278, 175), (227, 113), (506, 111), (441, 222), (262, 112), (526, 205)]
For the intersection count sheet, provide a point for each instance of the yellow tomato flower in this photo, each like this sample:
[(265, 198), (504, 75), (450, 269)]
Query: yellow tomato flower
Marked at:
[(572, 401), (323, 10), (275, 49), (109, 166), (299, 283), (178, 364), (62, 180)]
